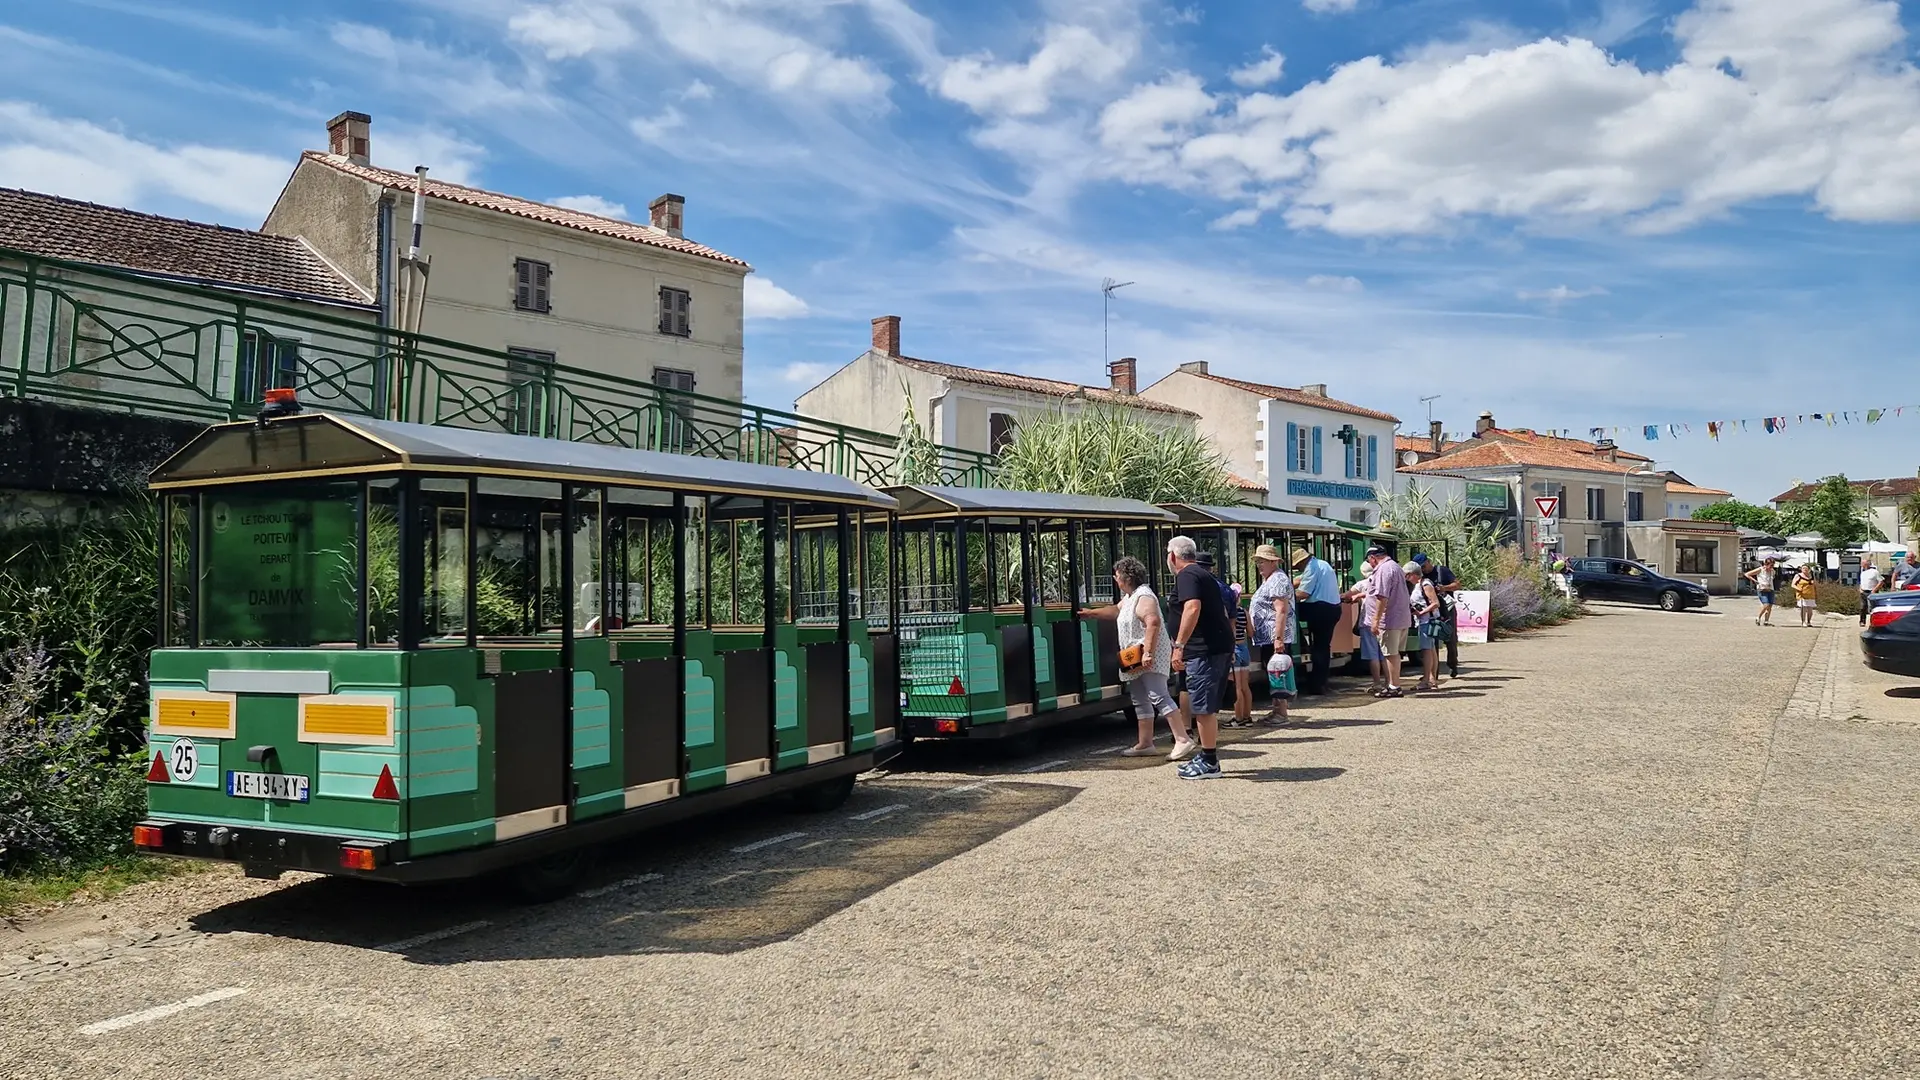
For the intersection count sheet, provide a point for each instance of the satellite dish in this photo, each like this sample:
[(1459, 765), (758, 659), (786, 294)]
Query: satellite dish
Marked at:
[(1410, 457)]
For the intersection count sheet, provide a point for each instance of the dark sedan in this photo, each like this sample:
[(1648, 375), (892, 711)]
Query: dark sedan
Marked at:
[(1891, 640), (1630, 582)]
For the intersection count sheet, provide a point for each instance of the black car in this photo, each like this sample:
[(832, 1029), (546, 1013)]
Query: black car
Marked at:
[(1891, 640), (1630, 582)]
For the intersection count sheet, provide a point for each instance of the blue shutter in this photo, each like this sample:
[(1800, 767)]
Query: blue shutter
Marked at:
[(1316, 450), (1373, 457), (1293, 447), (1348, 457)]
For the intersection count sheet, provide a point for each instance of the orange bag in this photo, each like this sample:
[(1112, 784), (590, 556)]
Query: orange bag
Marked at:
[(1132, 658)]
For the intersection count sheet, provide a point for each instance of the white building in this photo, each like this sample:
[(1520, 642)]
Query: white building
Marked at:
[(1315, 454)]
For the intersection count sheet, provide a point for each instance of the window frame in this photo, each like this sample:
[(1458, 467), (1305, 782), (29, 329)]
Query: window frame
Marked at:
[(529, 375), (676, 318), (533, 284), (998, 440), (1683, 548)]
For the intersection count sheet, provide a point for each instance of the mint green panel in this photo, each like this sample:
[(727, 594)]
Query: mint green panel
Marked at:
[(350, 772), (443, 743), (206, 753), (859, 684), (592, 723), (983, 665), (786, 695), (1042, 655), (1088, 659), (699, 705)]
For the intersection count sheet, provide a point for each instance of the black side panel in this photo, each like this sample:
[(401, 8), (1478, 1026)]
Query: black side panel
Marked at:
[(530, 741), (1106, 643), (749, 704), (825, 704), (1016, 663), (886, 681), (651, 721), (1067, 675)]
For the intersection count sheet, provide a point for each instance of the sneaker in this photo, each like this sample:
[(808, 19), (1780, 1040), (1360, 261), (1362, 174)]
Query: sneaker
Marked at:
[(1393, 692), (1200, 769), (1183, 750), (1271, 720), (1236, 722), (1139, 751)]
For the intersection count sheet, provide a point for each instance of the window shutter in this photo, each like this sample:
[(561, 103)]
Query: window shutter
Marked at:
[(1316, 449), (522, 284), (666, 312), (1293, 447), (1347, 457), (1373, 457), (683, 313), (542, 292)]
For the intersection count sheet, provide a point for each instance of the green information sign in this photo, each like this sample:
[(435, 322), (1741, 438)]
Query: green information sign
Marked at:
[(278, 571), (1484, 495)]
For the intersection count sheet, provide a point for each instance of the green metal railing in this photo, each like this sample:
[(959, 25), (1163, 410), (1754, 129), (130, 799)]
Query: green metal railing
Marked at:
[(107, 339)]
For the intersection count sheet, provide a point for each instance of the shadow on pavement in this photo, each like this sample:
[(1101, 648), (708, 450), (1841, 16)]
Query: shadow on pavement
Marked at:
[(1287, 775), (1904, 692)]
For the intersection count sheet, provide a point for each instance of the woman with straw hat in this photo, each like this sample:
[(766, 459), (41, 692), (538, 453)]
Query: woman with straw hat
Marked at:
[(1271, 613)]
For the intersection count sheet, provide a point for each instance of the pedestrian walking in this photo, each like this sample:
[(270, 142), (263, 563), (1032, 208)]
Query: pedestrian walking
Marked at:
[(1270, 614), (1870, 579), (1443, 582), (1762, 577), (1907, 574), (1425, 602), (1805, 589), (1139, 626), (1317, 589), (1203, 648), (1385, 617)]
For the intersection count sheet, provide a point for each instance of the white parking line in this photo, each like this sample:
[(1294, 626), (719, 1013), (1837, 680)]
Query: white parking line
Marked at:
[(159, 1012), (1113, 749), (618, 885), (437, 935), (961, 788), (1045, 767), (882, 811), (768, 842)]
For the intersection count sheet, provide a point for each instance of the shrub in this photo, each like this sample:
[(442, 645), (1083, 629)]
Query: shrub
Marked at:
[(67, 797), (1521, 596), (1837, 598)]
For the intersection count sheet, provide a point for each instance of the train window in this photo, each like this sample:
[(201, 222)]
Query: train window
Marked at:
[(639, 543), (515, 594), (977, 595), (1051, 563), (877, 574), (1141, 542), (929, 568), (279, 565), (442, 530), (1098, 552), (1006, 563), (818, 586), (177, 530), (584, 586)]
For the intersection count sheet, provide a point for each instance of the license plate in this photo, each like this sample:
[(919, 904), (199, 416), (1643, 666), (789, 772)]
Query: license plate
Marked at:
[(267, 785)]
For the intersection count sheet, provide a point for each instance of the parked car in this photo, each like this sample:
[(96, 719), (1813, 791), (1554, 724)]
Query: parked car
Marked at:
[(1630, 582), (1891, 641)]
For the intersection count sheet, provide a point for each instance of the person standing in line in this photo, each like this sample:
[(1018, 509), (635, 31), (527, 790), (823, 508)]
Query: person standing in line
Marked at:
[(1445, 584), (1762, 577), (1869, 584), (1907, 574), (1805, 593), (1203, 648), (1425, 601), (1273, 622), (1137, 615), (1388, 613), (1242, 661), (1318, 592)]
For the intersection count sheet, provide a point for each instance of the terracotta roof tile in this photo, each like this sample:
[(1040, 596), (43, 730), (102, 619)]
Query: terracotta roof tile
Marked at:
[(1897, 487), (57, 228), (1578, 446), (1245, 484), (1690, 489), (1033, 385), (526, 208), (1299, 397), (1420, 443), (1489, 455)]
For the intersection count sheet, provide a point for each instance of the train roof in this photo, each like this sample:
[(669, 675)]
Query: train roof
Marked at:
[(921, 500), (313, 445), (1197, 514)]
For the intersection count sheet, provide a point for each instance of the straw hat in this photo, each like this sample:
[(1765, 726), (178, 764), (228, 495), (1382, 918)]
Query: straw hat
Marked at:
[(1300, 557), (1266, 553)]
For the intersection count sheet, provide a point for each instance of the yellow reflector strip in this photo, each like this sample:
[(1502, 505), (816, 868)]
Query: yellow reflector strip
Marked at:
[(331, 719), (197, 714)]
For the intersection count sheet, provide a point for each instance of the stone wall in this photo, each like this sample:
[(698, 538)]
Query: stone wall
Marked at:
[(60, 464)]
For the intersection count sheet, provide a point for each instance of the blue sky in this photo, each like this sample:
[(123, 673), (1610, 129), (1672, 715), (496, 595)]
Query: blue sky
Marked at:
[(1570, 212)]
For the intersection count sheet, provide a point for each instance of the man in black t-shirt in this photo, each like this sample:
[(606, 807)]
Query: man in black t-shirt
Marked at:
[(1446, 585), (1203, 648)]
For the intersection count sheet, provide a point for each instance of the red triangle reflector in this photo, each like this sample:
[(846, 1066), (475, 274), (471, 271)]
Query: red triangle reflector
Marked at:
[(385, 788), (157, 773), (956, 689)]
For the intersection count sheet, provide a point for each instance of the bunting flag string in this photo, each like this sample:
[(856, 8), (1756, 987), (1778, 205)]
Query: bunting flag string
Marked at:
[(1716, 429)]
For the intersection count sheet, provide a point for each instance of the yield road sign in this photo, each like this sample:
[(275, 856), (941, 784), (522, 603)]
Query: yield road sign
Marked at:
[(1547, 505)]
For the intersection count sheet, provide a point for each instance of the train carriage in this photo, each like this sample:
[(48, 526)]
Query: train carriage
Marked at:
[(418, 653), (992, 584)]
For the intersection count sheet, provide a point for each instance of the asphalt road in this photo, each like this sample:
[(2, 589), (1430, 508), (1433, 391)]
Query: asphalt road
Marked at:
[(1642, 845)]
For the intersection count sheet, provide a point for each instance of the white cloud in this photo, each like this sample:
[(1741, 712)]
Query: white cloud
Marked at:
[(1560, 294), (1027, 89), (447, 156), (765, 300), (1346, 283), (656, 127), (696, 91), (81, 160), (806, 372), (727, 38), (1261, 72), (453, 82), (593, 204), (566, 31), (1329, 7)]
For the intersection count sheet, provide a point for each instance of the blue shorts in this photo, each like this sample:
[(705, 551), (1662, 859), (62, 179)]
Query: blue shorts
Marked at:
[(1766, 596), (1369, 645), (1242, 656), (1207, 682)]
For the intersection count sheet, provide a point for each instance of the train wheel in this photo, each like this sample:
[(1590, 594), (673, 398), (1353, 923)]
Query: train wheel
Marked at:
[(822, 797), (550, 878)]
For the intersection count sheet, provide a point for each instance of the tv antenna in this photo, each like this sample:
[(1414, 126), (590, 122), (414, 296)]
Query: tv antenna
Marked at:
[(1428, 402), (1108, 287)]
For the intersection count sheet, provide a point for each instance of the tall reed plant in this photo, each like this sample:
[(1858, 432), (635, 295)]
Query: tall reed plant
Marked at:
[(1108, 451)]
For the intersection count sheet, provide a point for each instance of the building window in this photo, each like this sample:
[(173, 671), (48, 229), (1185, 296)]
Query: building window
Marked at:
[(529, 377), (532, 286), (1000, 429), (1303, 449), (1358, 517), (1311, 511), (1596, 504), (1699, 557), (267, 363), (1636, 505), (676, 312), (1593, 545), (676, 411)]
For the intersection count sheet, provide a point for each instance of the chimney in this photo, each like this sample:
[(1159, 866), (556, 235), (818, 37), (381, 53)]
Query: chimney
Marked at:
[(347, 136), (1316, 389), (1434, 435), (669, 214), (1121, 375), (1484, 424), (1196, 367), (886, 335)]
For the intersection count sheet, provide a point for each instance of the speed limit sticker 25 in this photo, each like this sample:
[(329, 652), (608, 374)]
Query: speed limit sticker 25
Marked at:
[(183, 760)]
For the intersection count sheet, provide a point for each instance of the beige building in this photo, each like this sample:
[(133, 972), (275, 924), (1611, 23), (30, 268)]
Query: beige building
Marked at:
[(1882, 500), (962, 407), (1683, 498), (636, 300), (1314, 454)]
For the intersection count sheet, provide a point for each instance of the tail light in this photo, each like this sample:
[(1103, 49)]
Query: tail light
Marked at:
[(149, 836), (358, 858), (1886, 616), (947, 727)]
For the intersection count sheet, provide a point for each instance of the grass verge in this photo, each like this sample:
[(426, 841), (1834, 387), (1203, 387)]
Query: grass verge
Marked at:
[(23, 893)]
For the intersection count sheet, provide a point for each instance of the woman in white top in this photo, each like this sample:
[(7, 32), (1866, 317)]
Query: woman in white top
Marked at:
[(1139, 622), (1271, 613)]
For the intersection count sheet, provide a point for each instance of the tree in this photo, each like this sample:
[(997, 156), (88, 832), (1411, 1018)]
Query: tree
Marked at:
[(1832, 511), (1103, 450), (1910, 513), (1451, 532), (1744, 514)]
